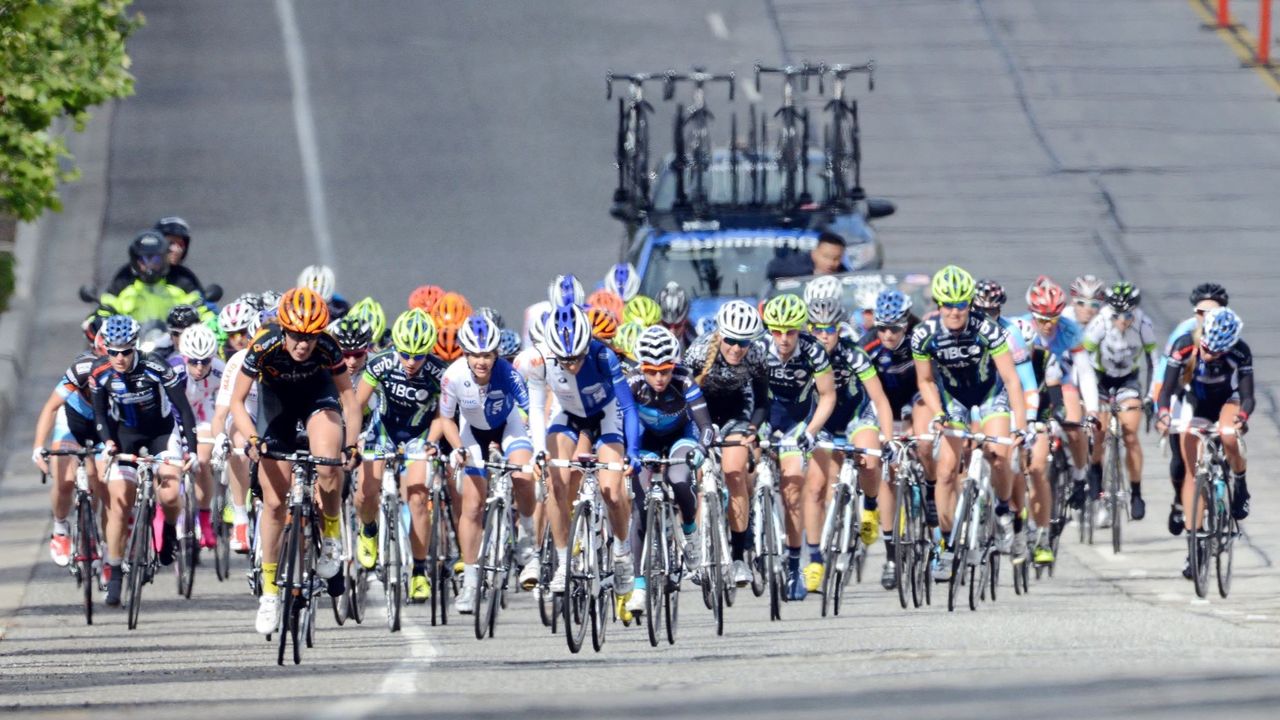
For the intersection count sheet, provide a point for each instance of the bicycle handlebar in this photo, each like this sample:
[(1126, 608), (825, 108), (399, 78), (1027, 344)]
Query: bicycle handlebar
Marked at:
[(698, 77), (636, 80), (980, 438), (587, 464), (869, 452), (804, 71), (841, 71), (304, 458)]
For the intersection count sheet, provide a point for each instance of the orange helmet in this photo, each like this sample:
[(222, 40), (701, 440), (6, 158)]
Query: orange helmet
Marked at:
[(425, 297), (302, 310), (447, 346), (452, 310), (604, 325), (608, 300)]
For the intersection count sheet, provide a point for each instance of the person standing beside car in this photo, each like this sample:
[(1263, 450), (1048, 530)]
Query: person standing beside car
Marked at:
[(826, 258)]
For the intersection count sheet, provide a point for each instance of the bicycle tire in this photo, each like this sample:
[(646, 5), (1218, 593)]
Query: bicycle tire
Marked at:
[(1228, 531), (85, 549), (993, 573), (758, 584), (548, 559), (358, 590), (486, 596), (715, 578), (1113, 492), (1199, 545), (286, 579), (728, 589), (188, 545), (652, 569), (221, 533), (393, 575), (958, 567), (576, 603), (140, 549), (904, 538), (772, 561), (977, 584), (833, 550), (308, 630), (604, 599), (674, 573)]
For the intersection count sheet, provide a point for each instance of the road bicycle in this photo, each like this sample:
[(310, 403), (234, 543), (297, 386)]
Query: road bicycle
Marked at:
[(85, 535)]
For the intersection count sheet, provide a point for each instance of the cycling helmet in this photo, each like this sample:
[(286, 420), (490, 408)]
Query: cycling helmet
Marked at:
[(657, 346), (705, 326), (1222, 328), (493, 315), (823, 286), (352, 333), (478, 335), (627, 337), (182, 317), (303, 310), (825, 311), (255, 323), (989, 294), (738, 320), (893, 307), (371, 311), (253, 300), (623, 280), (197, 343), (270, 299), (568, 332), (120, 331), (508, 343), (538, 329), (451, 311), (566, 290), (603, 324), (1087, 287), (1046, 299), (414, 332), (425, 297), (1209, 291), (99, 344), (952, 284), (148, 256), (318, 278), (236, 316), (447, 346), (1123, 296), (92, 327), (674, 302), (642, 309), (786, 312)]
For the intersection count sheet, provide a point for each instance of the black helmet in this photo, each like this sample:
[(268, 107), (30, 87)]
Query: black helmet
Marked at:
[(1209, 291), (182, 317), (148, 256), (352, 333), (1123, 296), (989, 294), (176, 227)]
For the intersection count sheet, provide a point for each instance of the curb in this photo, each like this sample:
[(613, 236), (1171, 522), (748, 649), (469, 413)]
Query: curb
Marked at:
[(16, 323)]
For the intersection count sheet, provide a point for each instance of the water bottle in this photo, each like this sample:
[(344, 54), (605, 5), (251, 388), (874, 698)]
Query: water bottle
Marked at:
[(406, 520), (1220, 494)]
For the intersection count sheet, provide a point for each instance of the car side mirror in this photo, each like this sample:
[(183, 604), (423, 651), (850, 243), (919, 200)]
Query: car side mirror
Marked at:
[(879, 207), (88, 294), (213, 293)]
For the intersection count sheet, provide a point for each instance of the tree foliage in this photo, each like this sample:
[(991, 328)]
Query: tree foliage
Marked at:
[(58, 58)]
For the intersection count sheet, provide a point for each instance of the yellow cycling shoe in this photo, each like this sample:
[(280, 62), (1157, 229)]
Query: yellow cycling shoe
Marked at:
[(813, 576), (870, 526), (1042, 555), (458, 567), (366, 551), (419, 589), (624, 614)]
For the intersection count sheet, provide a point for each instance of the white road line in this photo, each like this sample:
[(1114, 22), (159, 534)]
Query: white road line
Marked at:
[(718, 28), (304, 125), (1137, 573), (1255, 618), (403, 678)]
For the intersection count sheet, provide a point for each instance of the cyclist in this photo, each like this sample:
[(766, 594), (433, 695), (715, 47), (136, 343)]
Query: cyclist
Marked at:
[(320, 278), (1118, 339), (149, 297), (674, 302), (368, 310), (301, 379), (642, 309), (729, 366), (974, 369), (235, 320), (177, 237), (1217, 368), (68, 416), (200, 369), (861, 416), (591, 409), (228, 437), (623, 281), (1088, 294), (674, 423), (407, 380), (134, 399), (492, 401), (425, 297), (624, 344), (799, 368), (1038, 463)]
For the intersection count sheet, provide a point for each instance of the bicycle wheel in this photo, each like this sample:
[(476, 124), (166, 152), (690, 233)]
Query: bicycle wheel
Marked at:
[(221, 533), (958, 567), (1113, 492), (652, 569), (977, 582), (548, 559), (188, 543), (904, 541), (287, 582), (485, 609), (831, 542), (671, 582), (438, 562), (772, 561), (1228, 531), (603, 599), (393, 574), (1200, 549), (715, 579), (578, 601), (993, 572), (140, 551), (85, 549)]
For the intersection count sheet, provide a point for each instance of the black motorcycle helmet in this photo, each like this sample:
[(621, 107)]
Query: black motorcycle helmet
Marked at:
[(175, 227), (148, 256), (182, 317)]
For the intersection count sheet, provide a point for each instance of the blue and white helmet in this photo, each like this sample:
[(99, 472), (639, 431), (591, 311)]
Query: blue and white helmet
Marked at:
[(892, 307), (566, 290), (479, 334), (623, 280), (568, 332), (1222, 328), (508, 343), (705, 325), (538, 330), (120, 331)]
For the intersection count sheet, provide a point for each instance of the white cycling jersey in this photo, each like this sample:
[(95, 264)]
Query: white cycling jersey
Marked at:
[(200, 393), (1118, 353), (229, 374)]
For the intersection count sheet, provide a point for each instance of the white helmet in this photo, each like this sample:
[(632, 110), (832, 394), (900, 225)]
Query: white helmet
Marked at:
[(566, 290), (538, 328), (623, 280), (479, 334), (236, 316), (823, 286), (657, 346), (197, 342), (319, 278), (826, 311), (738, 320), (568, 332), (255, 322)]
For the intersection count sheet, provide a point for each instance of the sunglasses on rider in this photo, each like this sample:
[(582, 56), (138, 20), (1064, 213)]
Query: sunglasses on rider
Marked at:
[(301, 337), (895, 329), (823, 329), (663, 368), (354, 354), (1095, 304), (736, 342), (410, 357), (575, 360), (119, 352), (1123, 316), (1046, 319), (198, 362), (956, 305)]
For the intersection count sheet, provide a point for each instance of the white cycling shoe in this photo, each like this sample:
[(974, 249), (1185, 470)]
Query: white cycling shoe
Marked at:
[(635, 604), (268, 618), (330, 560), (557, 580), (466, 601)]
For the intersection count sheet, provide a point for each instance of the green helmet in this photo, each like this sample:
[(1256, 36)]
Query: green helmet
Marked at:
[(642, 309), (371, 312), (414, 332), (625, 340), (786, 312), (952, 284)]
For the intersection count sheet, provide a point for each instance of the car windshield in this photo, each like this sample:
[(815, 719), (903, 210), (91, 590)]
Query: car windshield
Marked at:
[(717, 266), (719, 185)]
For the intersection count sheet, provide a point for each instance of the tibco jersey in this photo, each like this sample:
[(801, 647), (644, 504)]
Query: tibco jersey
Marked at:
[(791, 380), (141, 398), (1118, 353), (484, 407), (270, 364), (201, 394), (896, 368), (963, 357), (73, 388), (1213, 382), (669, 412), (852, 366), (408, 403)]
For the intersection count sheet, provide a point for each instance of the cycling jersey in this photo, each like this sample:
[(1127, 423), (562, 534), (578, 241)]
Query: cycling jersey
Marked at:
[(678, 411), (1021, 356), (852, 366), (597, 394), (140, 399), (1116, 353), (963, 358), (897, 371), (291, 392), (201, 394), (74, 389), (1224, 379), (1064, 347), (736, 395), (268, 362), (1183, 328), (408, 402), (230, 371), (489, 414)]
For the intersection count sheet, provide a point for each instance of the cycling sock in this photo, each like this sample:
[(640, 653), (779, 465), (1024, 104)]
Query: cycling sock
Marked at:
[(1017, 522), (369, 529), (562, 554), (1135, 490), (870, 503), (419, 567), (930, 491), (691, 528), (269, 579), (640, 583), (1002, 508), (888, 537), (793, 559), (623, 546), (815, 554), (686, 500), (239, 515), (332, 526), (60, 526), (737, 544)]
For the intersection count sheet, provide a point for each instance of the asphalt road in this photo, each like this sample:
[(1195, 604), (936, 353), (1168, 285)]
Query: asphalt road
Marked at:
[(470, 145)]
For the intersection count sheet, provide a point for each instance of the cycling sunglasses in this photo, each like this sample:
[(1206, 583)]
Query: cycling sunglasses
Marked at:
[(357, 354), (575, 360), (301, 337), (119, 352), (736, 342), (663, 368), (824, 329), (1046, 319), (964, 305), (1123, 316), (199, 362), (410, 357), (1095, 304), (895, 329)]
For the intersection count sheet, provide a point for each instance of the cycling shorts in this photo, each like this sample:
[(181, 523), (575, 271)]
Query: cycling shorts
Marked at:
[(132, 443), (1124, 388), (847, 421), (661, 445), (71, 427), (960, 415), (477, 442), (283, 408), (604, 427)]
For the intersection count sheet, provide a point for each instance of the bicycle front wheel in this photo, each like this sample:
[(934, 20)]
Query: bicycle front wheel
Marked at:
[(651, 569), (1114, 506), (188, 543), (491, 557), (140, 552), (1228, 530), (1201, 541), (578, 600), (438, 561), (393, 577), (835, 529), (85, 549)]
